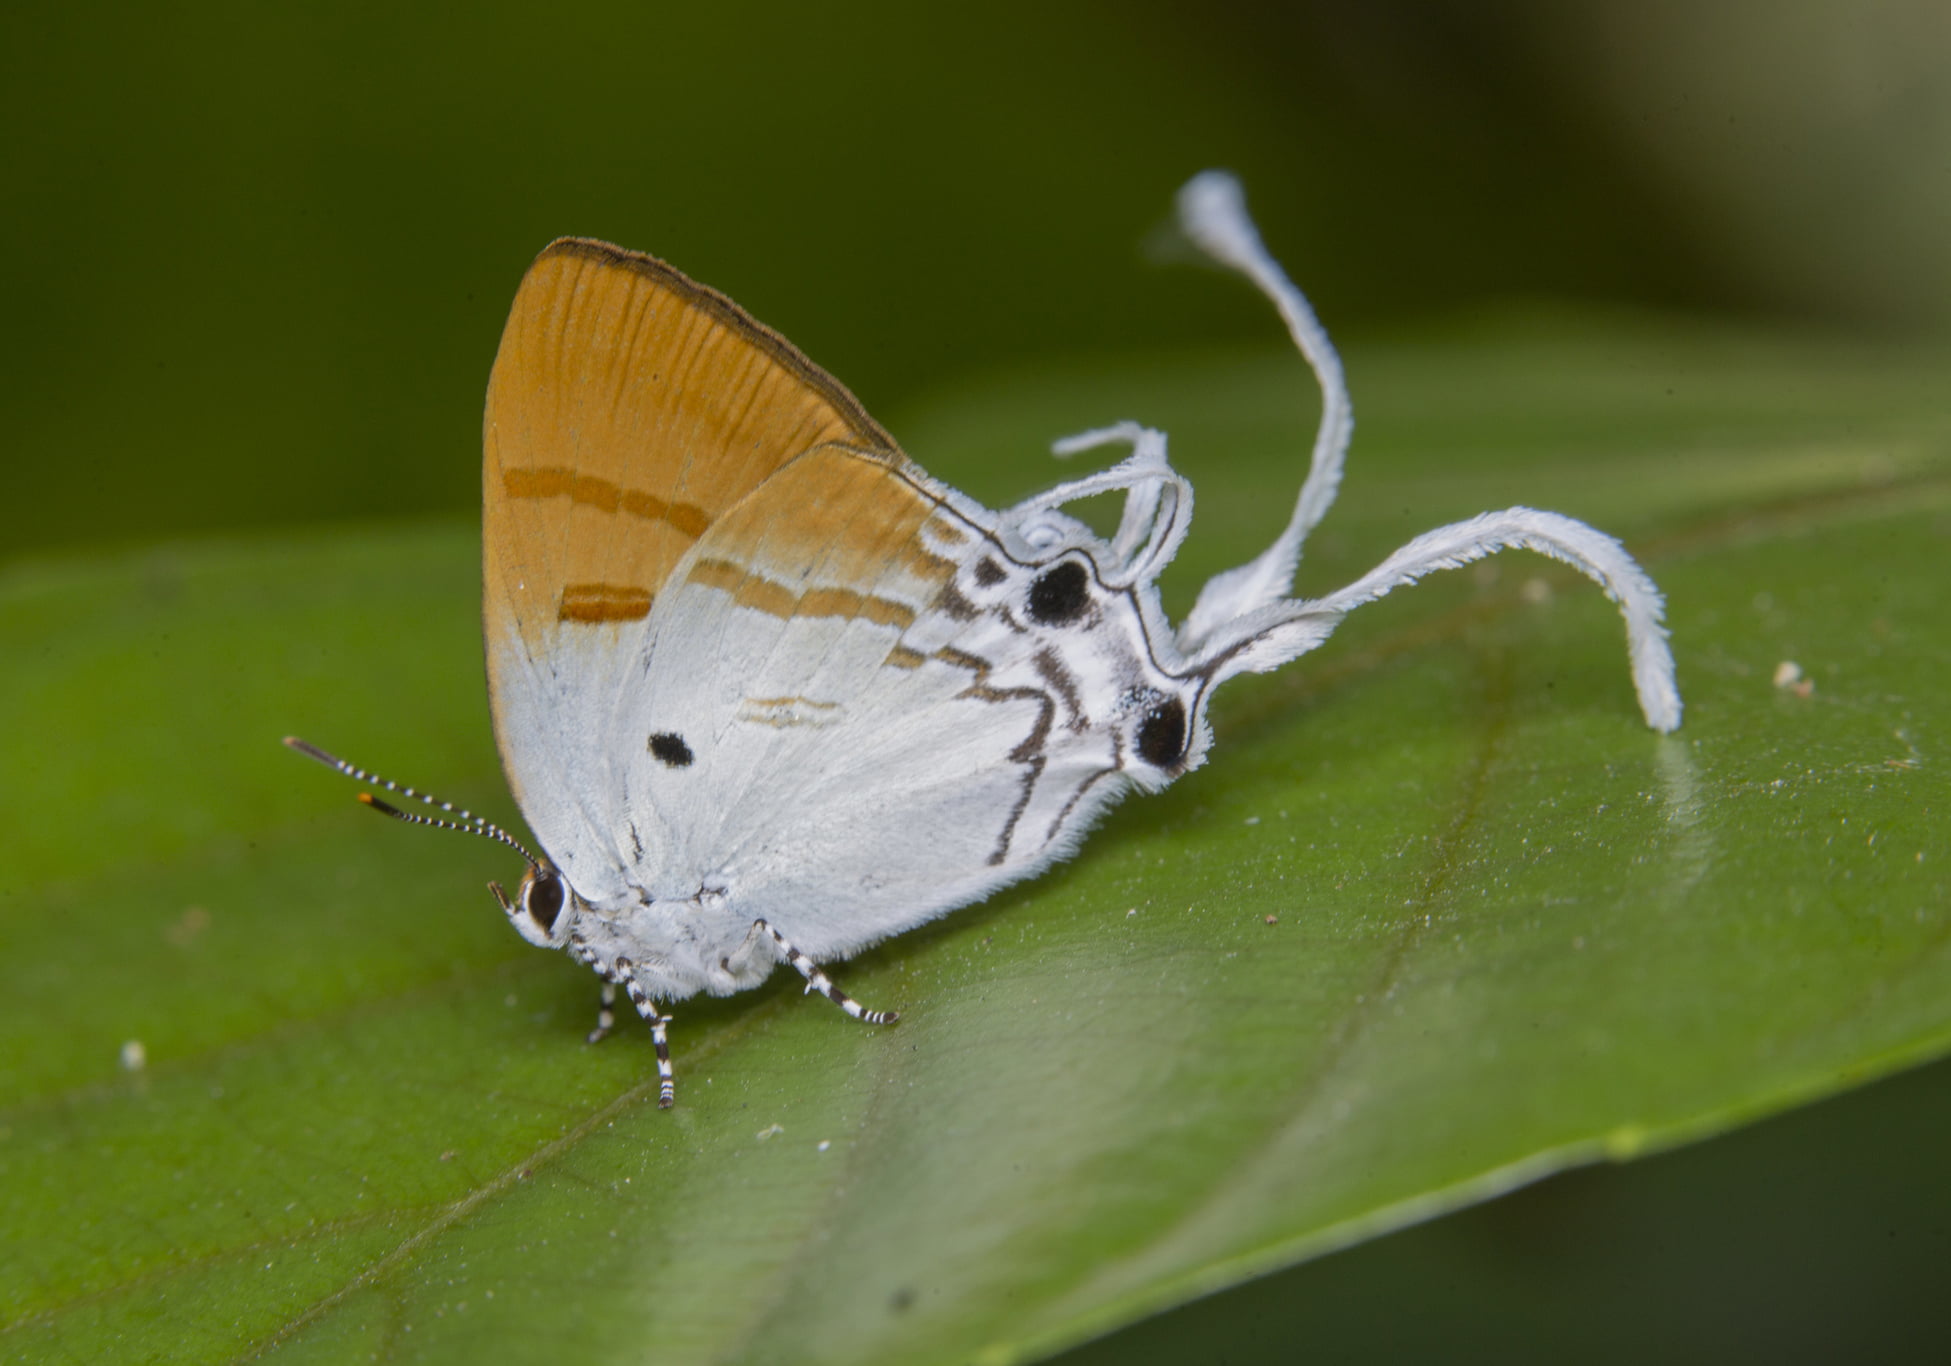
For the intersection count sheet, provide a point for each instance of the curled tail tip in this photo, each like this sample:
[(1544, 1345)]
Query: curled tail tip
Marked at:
[(1212, 211), (1662, 715), (1664, 712), (1208, 191), (1659, 693)]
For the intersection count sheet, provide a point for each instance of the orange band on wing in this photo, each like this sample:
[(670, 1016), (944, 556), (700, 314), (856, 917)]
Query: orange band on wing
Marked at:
[(747, 589), (845, 602), (775, 599), (601, 494), (603, 602)]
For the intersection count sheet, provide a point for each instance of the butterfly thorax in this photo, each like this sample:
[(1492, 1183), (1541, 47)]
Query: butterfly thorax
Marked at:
[(671, 947)]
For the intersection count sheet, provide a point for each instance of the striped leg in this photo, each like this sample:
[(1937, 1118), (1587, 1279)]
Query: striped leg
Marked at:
[(589, 958), (666, 1085), (820, 982), (605, 1017)]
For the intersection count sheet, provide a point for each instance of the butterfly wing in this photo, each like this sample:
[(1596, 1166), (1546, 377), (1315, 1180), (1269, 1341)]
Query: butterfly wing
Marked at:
[(629, 409), (872, 728)]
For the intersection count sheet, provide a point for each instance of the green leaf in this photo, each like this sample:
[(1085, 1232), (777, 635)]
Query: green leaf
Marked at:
[(1439, 917)]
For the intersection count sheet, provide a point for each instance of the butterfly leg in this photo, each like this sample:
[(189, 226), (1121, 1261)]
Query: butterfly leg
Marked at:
[(621, 972), (605, 1016), (820, 982), (740, 963)]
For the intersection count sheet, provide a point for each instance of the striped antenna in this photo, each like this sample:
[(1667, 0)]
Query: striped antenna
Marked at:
[(467, 822)]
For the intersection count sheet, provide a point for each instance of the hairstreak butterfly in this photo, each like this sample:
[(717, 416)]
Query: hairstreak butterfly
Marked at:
[(766, 691)]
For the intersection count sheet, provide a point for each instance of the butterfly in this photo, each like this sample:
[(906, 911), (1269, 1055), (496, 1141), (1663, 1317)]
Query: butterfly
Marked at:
[(766, 691)]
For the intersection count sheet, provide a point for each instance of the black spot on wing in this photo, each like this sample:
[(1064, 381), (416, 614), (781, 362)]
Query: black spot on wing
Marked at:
[(1162, 734), (1060, 594), (671, 750)]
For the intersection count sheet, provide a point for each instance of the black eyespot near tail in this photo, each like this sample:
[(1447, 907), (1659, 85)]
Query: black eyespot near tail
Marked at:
[(1162, 734)]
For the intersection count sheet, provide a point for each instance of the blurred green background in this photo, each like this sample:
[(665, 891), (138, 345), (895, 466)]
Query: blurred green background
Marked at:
[(257, 257), (256, 260)]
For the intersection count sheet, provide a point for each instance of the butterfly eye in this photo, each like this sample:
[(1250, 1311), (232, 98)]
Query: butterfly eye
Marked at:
[(1162, 734), (542, 899), (1060, 594)]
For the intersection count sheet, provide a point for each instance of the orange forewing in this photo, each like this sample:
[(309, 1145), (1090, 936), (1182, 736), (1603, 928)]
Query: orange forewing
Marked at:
[(629, 409)]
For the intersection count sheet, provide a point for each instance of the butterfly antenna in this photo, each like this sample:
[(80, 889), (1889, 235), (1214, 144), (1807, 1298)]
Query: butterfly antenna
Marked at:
[(466, 821)]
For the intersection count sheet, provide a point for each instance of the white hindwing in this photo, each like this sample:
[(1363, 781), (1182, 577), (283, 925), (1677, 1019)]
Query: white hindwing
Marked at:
[(897, 715)]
